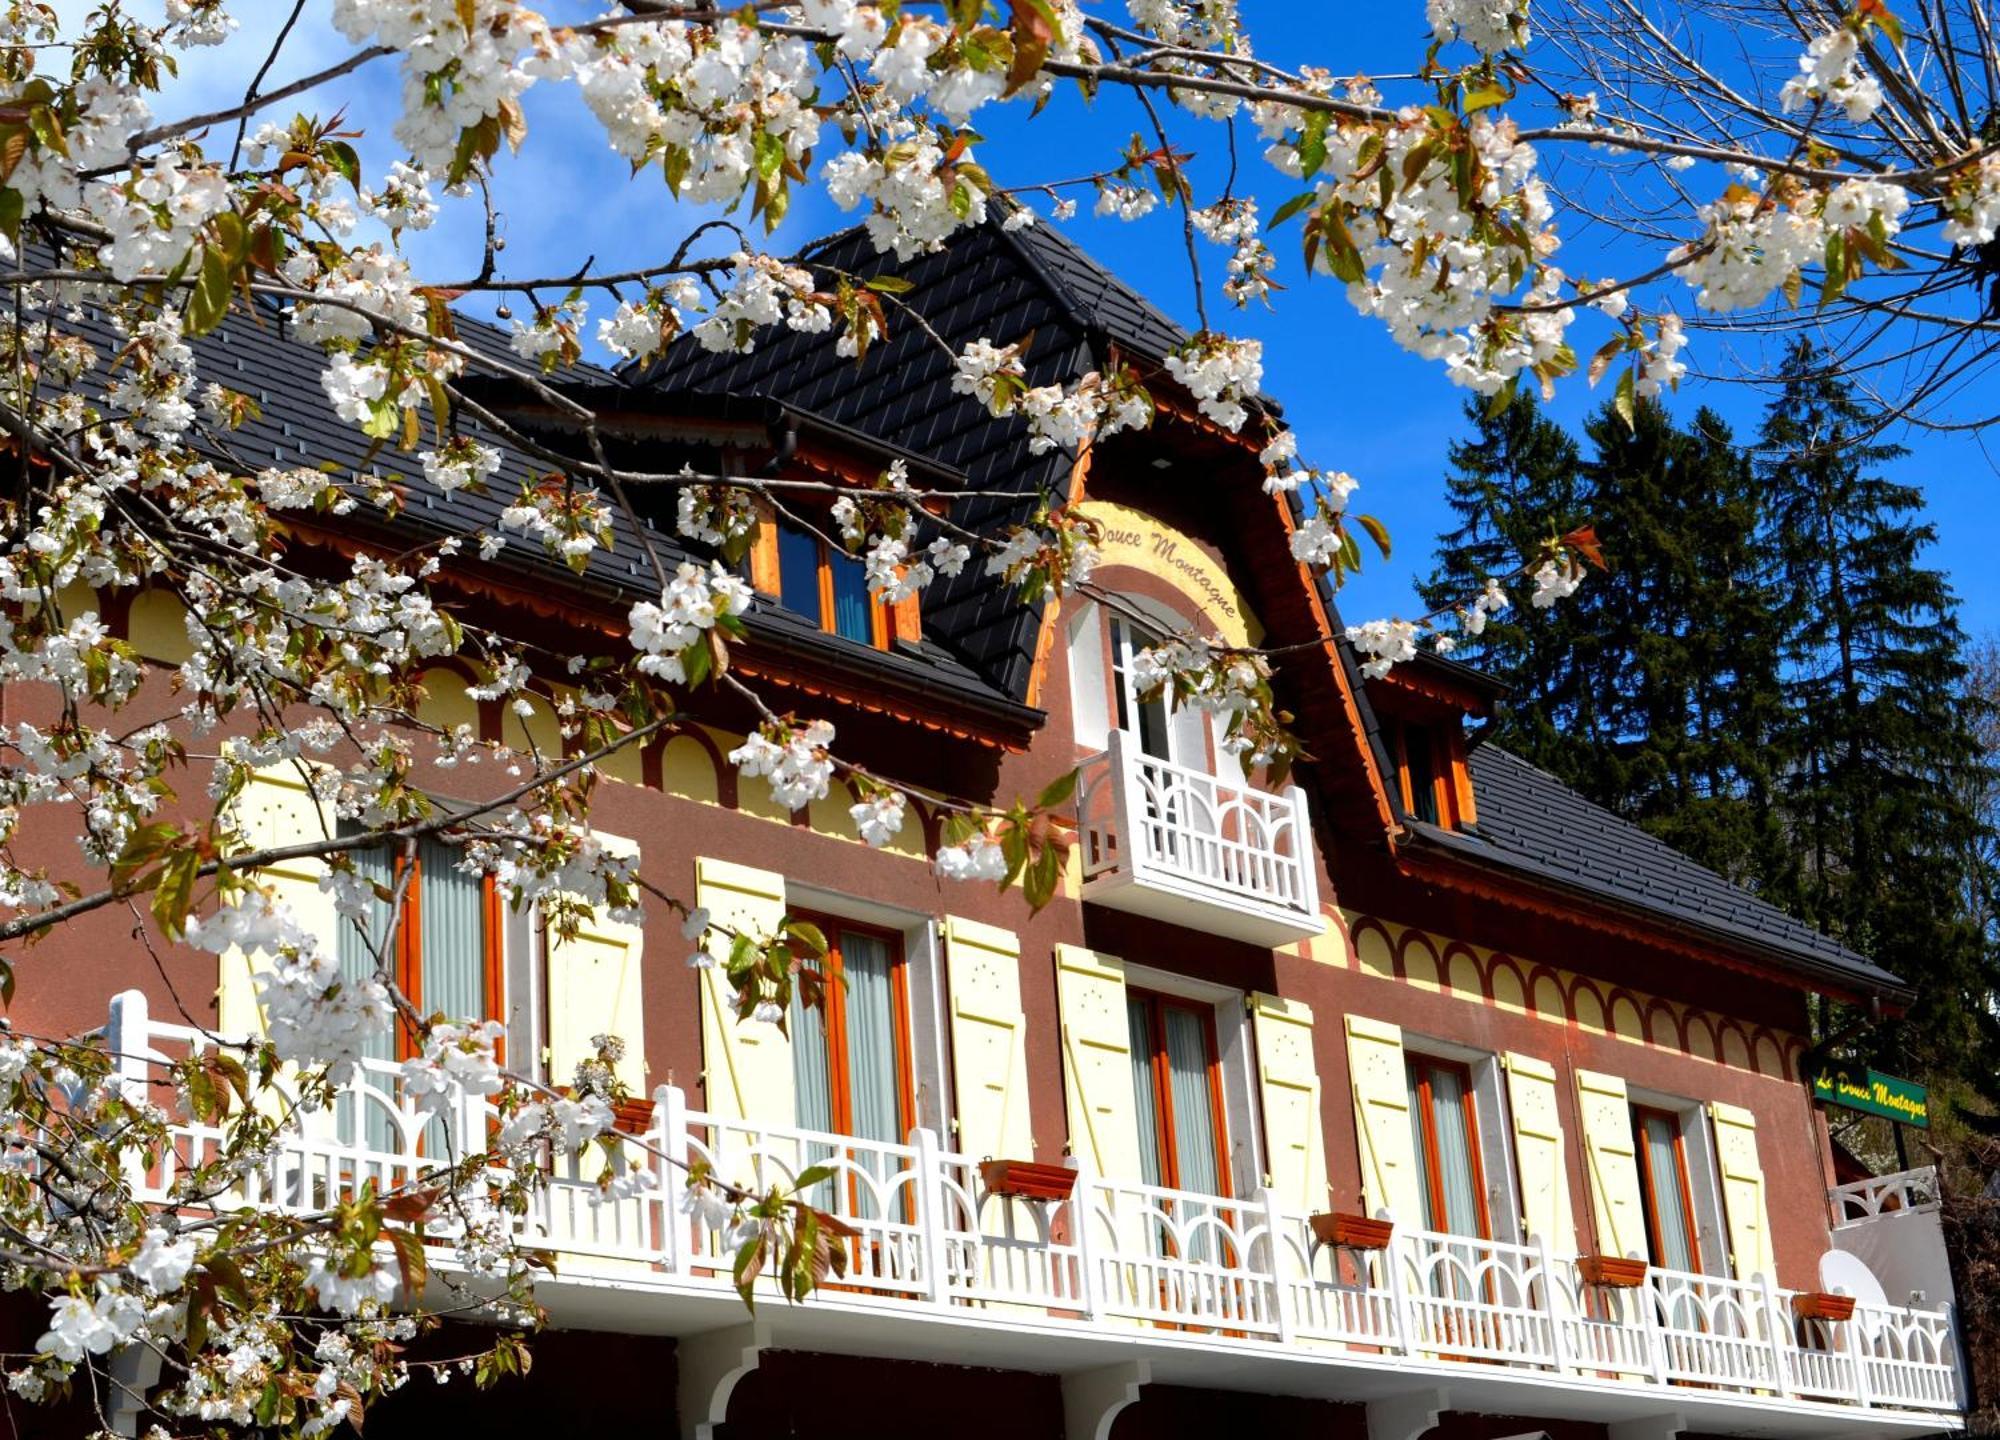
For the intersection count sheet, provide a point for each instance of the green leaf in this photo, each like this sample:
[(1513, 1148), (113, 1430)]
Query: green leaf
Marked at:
[(1057, 791), (1377, 531), (210, 301), (1489, 95), (1836, 268), (1624, 400), (1290, 208), (891, 285)]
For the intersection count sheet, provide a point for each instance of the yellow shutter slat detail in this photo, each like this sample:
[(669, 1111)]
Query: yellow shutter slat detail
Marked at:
[(746, 1064), (1382, 1121), (1097, 1061), (1538, 1152), (989, 1061), (1743, 1202), (1605, 1114), (596, 987), (277, 807), (1288, 1093)]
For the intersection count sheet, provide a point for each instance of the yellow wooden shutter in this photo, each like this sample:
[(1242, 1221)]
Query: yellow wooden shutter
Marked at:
[(1097, 1061), (989, 1062), (277, 807), (747, 1064), (595, 988), (1288, 1093), (1613, 1164), (1539, 1153), (1743, 1202), (1382, 1121)]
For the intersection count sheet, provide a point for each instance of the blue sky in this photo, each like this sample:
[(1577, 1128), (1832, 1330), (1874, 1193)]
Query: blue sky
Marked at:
[(1358, 402)]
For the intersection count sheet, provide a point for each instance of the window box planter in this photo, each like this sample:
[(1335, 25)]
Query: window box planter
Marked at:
[(1354, 1232), (1818, 1305), (1613, 1271), (1026, 1180)]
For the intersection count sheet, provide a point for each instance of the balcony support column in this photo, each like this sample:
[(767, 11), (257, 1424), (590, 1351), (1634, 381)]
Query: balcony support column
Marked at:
[(1666, 1426), (133, 1372), (1407, 1417), (709, 1365), (1092, 1398)]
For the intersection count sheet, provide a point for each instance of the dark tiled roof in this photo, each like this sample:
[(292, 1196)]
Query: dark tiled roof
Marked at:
[(987, 282), (1531, 822), (261, 356)]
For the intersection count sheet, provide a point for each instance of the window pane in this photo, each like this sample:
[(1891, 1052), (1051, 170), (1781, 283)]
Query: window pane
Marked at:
[(812, 1075), (1674, 1225), (1194, 1104), (1420, 1123), (453, 914), (1457, 1169), (850, 599), (1423, 774), (1141, 1017), (363, 1119), (798, 572), (871, 1037)]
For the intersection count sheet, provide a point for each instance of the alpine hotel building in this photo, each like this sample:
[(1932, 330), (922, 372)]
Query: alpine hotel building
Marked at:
[(1416, 1097)]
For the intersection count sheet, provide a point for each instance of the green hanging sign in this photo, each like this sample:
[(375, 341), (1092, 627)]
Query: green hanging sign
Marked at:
[(1855, 1087)]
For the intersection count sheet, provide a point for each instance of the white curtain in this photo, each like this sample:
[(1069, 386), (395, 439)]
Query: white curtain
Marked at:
[(1676, 1231)]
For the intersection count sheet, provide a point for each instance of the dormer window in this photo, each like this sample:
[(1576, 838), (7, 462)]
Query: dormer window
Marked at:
[(827, 586), (1420, 771)]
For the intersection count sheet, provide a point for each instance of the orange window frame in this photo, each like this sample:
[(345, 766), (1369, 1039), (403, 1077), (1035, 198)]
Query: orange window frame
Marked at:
[(1164, 1139), (1654, 1237), (839, 1057), (887, 623), (409, 953), (1404, 735), (1421, 1069)]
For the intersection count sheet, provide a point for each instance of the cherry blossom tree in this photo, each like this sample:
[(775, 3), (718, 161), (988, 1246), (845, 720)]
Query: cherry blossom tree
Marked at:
[(1854, 178)]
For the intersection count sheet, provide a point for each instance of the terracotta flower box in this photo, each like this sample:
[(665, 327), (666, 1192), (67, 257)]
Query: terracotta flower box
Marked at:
[(1818, 1305), (1615, 1271), (1027, 1180), (1355, 1232)]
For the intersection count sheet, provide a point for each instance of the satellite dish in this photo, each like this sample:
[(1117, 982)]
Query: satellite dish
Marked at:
[(1842, 1273)]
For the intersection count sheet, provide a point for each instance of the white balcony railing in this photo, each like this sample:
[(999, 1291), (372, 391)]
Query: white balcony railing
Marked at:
[(1885, 1194), (1181, 844), (930, 1241)]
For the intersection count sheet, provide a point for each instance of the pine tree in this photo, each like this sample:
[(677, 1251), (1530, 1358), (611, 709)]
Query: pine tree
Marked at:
[(1880, 747), (1653, 691)]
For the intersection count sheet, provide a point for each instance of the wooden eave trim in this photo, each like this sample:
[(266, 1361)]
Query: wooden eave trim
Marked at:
[(1524, 894), (1432, 687), (1357, 730)]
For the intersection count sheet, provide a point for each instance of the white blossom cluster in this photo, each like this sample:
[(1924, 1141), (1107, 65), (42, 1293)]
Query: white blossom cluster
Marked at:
[(1386, 643), (1490, 26), (1757, 242), (692, 603), (1430, 263), (916, 201), (1831, 70), (795, 759), (1222, 374), (763, 291), (1234, 222), (1972, 205)]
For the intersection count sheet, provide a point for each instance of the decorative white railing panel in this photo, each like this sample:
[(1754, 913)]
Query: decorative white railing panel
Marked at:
[(1112, 1254), (1184, 837), (1884, 1194)]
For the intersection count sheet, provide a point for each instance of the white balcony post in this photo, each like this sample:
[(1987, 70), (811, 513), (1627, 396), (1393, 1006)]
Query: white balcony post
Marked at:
[(1128, 830), (1089, 1290), (128, 1033), (670, 1138), (1775, 1330), (1550, 1308), (1307, 897), (1274, 1219), (931, 1212), (1857, 1351), (1647, 1297), (1399, 1298)]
